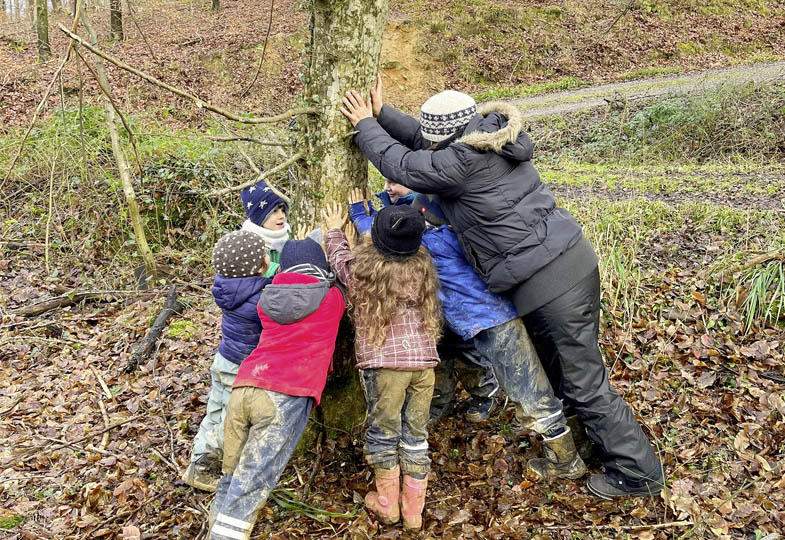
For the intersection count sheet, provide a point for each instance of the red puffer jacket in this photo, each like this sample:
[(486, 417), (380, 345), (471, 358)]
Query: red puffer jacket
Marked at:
[(300, 316)]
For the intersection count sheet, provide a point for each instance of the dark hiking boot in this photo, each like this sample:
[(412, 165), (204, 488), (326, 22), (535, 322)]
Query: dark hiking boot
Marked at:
[(480, 409), (583, 444), (561, 460), (611, 487), (203, 473), (437, 412)]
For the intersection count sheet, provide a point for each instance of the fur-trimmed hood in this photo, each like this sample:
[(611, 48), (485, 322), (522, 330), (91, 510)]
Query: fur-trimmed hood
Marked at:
[(498, 127)]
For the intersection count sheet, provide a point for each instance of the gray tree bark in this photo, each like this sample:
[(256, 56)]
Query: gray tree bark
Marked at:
[(41, 22), (116, 19), (346, 39)]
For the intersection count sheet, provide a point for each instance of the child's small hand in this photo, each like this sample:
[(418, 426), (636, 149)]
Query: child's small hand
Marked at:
[(302, 232), (355, 109), (334, 215), (351, 235), (376, 96), (355, 196)]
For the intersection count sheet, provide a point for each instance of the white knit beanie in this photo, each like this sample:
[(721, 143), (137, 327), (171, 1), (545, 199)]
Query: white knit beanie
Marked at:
[(445, 113)]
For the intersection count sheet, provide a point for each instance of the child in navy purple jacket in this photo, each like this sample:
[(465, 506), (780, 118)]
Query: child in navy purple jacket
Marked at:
[(242, 261)]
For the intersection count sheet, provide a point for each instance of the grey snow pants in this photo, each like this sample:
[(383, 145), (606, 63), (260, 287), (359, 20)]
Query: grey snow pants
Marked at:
[(521, 376), (261, 432)]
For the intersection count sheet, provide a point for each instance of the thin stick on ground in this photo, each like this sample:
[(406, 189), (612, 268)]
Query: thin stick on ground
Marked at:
[(48, 91), (264, 50), (101, 382), (296, 157), (200, 103), (669, 525)]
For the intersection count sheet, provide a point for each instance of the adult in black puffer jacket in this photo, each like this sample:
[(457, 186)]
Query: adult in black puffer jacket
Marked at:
[(521, 244)]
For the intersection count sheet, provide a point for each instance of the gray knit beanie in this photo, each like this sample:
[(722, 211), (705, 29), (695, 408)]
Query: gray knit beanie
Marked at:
[(239, 254), (445, 113)]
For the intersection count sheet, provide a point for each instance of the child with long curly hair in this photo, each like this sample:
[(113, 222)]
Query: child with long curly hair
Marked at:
[(393, 287)]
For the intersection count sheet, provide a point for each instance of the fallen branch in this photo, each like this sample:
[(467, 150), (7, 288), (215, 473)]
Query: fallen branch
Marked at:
[(200, 103), (765, 257), (143, 349), (671, 524), (35, 449), (65, 300), (296, 157)]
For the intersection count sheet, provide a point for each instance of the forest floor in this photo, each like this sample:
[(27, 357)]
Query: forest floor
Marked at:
[(683, 240)]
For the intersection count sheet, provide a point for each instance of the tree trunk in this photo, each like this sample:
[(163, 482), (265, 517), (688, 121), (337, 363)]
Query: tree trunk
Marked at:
[(216, 5), (41, 22), (344, 52), (346, 39), (116, 19)]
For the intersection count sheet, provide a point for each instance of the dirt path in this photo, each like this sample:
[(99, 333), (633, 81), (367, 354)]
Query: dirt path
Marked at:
[(596, 96)]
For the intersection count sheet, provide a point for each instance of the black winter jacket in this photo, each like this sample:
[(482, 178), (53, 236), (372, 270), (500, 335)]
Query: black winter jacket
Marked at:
[(506, 219)]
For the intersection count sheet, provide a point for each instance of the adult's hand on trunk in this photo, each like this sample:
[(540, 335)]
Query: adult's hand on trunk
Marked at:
[(376, 96), (355, 109)]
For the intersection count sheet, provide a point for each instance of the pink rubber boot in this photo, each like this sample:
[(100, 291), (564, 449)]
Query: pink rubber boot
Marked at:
[(413, 501), (384, 501)]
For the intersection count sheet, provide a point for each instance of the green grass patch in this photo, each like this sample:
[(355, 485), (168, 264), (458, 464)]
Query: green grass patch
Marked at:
[(10, 521), (731, 122), (648, 72), (521, 91)]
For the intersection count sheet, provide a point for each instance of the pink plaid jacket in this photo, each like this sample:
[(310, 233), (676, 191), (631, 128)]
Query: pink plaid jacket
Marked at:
[(407, 347)]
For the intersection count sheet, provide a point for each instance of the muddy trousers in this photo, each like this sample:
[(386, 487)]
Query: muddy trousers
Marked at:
[(261, 432), (521, 376), (564, 332), (209, 440), (460, 361), (398, 405)]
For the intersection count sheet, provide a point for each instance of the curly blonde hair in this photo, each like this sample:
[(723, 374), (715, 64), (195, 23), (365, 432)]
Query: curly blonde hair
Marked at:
[(377, 294)]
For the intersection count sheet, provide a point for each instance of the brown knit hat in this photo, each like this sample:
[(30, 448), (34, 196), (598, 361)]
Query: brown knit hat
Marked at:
[(239, 254)]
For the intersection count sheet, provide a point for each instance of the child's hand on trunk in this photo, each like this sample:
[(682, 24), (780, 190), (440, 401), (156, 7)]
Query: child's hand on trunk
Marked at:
[(351, 235), (356, 195), (376, 96), (334, 215)]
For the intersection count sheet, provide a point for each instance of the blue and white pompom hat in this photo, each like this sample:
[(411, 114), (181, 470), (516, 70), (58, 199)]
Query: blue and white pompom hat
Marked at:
[(445, 113), (259, 200)]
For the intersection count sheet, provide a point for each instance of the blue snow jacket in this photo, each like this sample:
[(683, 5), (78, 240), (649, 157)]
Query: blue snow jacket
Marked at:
[(469, 307), (406, 199), (240, 326)]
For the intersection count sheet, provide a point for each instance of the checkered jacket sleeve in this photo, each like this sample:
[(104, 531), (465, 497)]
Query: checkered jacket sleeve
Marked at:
[(340, 256)]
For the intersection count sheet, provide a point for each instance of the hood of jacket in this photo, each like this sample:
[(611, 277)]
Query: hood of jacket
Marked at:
[(230, 293), (498, 127), (291, 297)]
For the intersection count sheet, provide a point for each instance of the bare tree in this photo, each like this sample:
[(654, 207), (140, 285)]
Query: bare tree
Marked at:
[(41, 23), (116, 19)]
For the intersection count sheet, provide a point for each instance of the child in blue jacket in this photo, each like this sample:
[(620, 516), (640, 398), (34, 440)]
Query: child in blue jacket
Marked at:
[(242, 262), (490, 323)]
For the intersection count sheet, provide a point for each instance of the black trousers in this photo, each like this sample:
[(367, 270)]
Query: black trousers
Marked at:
[(564, 332)]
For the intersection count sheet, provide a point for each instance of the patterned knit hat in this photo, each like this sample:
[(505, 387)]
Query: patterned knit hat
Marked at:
[(239, 254), (259, 200), (397, 231), (445, 113)]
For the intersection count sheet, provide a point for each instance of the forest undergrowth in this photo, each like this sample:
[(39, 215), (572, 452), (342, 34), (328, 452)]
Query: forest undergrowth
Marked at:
[(690, 236)]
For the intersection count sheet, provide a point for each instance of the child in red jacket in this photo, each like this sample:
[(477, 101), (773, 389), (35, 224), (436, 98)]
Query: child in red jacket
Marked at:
[(392, 284), (277, 385)]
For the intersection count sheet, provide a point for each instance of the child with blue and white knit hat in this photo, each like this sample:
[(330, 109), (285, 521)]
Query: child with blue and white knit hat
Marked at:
[(267, 217)]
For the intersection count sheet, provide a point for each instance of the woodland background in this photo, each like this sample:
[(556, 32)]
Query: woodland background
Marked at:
[(683, 196)]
